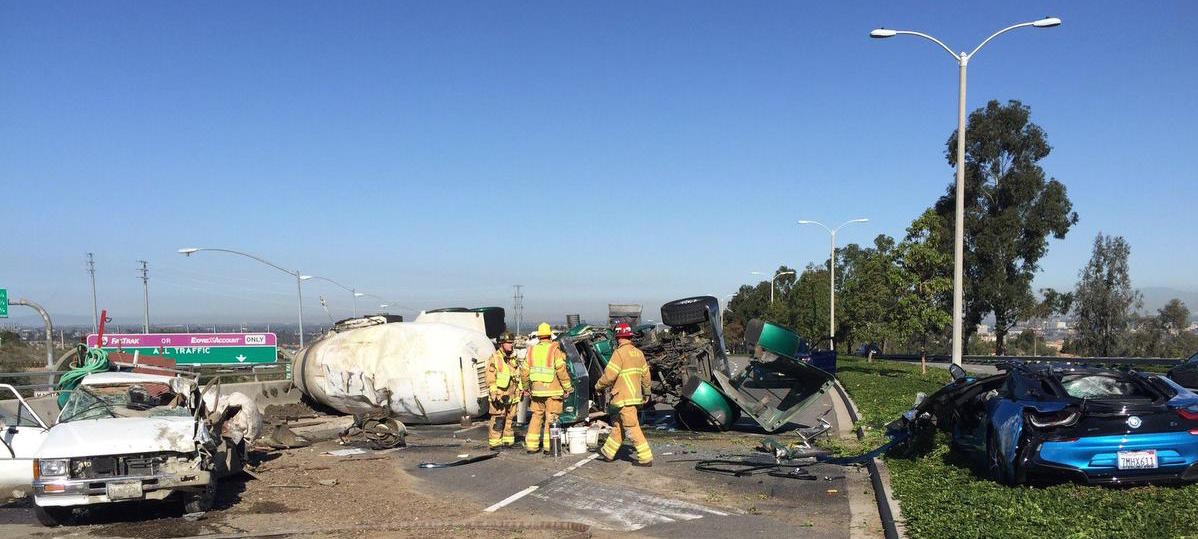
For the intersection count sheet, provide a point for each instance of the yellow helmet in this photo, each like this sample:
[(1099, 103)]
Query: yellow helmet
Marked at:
[(544, 330)]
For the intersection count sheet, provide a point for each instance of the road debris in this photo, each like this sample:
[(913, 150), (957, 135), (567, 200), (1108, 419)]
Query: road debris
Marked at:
[(377, 429), (748, 467), (462, 459), (346, 452)]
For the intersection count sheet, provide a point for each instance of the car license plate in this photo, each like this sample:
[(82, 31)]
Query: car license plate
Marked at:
[(124, 490), (1137, 460)]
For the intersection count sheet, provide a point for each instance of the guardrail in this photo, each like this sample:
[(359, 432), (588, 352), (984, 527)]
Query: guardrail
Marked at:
[(264, 372), (990, 360)]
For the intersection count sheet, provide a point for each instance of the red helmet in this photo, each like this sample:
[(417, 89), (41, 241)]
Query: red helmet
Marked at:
[(623, 331)]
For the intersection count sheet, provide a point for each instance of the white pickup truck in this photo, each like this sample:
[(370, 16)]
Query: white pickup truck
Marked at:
[(122, 436)]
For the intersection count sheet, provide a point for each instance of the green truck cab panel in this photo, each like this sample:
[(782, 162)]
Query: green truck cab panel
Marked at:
[(775, 386), (773, 393), (772, 388), (588, 349), (773, 338), (705, 407)]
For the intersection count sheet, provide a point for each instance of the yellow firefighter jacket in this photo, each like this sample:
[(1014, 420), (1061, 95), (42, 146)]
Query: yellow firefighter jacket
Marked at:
[(503, 379), (627, 374), (545, 372)]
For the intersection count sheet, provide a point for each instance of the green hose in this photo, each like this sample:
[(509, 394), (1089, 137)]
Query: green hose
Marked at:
[(90, 360)]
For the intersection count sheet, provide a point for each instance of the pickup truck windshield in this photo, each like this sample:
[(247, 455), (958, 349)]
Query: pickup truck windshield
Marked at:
[(149, 399)]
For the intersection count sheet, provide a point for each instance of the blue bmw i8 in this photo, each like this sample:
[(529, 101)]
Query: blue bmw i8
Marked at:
[(1057, 421)]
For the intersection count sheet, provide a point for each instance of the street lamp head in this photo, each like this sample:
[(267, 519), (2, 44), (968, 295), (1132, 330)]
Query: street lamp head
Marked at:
[(358, 294), (883, 33), (1047, 22), (805, 222), (304, 277), (186, 251), (861, 220)]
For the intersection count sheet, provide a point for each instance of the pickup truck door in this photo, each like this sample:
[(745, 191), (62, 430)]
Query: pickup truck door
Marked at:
[(21, 435)]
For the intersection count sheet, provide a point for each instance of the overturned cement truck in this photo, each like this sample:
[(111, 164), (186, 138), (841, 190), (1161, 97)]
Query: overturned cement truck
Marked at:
[(431, 370)]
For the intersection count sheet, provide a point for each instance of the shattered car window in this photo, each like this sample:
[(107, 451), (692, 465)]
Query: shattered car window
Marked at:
[(149, 399), (1091, 386)]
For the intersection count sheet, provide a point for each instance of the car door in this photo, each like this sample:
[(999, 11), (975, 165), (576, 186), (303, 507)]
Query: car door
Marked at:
[(21, 435), (1186, 374)]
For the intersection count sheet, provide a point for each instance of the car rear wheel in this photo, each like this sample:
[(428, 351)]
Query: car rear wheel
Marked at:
[(53, 516)]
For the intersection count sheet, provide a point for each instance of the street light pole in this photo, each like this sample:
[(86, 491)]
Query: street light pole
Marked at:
[(299, 278), (772, 280), (962, 59), (832, 273)]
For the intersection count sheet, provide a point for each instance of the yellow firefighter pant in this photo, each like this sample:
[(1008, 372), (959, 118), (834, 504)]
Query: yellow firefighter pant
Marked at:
[(545, 411), (503, 422), (627, 424)]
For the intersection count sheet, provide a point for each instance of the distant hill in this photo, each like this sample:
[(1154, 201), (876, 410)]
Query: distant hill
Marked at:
[(1156, 297)]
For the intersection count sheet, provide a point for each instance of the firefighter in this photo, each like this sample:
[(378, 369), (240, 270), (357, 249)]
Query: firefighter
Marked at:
[(627, 374), (544, 377), (504, 388)]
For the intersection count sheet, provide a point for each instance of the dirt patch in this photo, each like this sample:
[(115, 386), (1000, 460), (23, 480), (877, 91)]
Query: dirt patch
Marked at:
[(266, 507), (288, 412), (163, 527)]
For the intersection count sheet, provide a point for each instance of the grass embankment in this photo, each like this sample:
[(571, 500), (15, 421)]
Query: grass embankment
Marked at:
[(941, 496)]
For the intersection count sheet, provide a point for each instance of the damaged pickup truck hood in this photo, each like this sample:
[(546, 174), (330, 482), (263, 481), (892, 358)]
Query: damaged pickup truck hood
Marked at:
[(119, 436)]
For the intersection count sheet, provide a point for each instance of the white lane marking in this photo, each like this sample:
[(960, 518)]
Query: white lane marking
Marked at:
[(529, 490), (510, 499), (617, 508)]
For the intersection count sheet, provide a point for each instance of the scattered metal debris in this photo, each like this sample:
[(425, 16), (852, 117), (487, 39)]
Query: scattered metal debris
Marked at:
[(379, 431), (748, 467), (278, 435), (459, 462), (347, 452)]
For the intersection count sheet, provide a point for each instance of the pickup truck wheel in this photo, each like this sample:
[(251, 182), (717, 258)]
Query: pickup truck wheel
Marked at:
[(53, 516), (201, 501)]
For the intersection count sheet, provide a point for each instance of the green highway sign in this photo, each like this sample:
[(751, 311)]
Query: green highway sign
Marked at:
[(195, 348), (3, 303)]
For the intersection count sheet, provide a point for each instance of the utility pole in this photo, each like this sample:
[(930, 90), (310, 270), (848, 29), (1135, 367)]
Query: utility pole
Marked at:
[(518, 306), (145, 289), (91, 268)]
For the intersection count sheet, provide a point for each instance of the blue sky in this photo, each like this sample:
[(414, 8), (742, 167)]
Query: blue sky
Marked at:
[(437, 153)]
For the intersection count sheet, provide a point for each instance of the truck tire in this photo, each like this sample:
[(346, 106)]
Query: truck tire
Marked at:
[(53, 516), (689, 311), (200, 501)]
